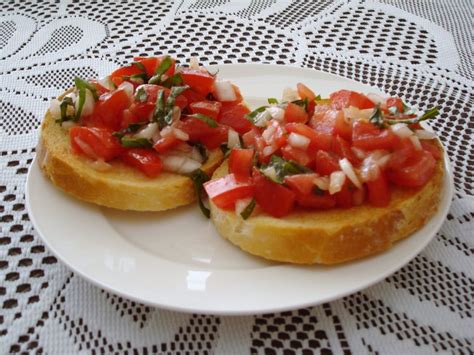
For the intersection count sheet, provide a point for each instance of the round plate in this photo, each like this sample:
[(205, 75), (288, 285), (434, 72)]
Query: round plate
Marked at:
[(176, 259)]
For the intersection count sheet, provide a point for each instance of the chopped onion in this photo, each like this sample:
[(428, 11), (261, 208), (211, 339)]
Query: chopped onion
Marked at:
[(107, 83), (276, 112), (298, 141), (166, 131), (261, 120), (424, 134), (193, 63), (128, 88), (86, 148), (184, 148), (322, 182), (382, 161), (72, 96), (347, 168), (196, 155), (401, 130), (148, 131), (352, 114), (416, 142), (336, 180), (224, 91), (176, 114), (180, 134), (100, 165), (241, 204), (89, 104), (268, 150), (366, 113), (69, 124), (55, 109), (180, 164), (359, 153), (289, 94), (233, 140), (369, 169), (270, 172), (268, 134)]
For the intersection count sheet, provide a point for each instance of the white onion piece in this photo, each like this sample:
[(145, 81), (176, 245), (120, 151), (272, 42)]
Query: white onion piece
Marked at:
[(86, 148), (289, 94), (55, 109), (128, 88), (88, 106), (270, 172), (224, 91), (72, 96), (268, 150), (196, 155), (401, 130), (359, 153), (369, 169), (276, 112), (148, 131), (176, 114), (424, 134), (107, 83), (322, 182), (268, 134), (347, 168), (298, 141), (166, 131), (241, 204), (180, 164), (184, 148), (180, 134), (366, 113), (100, 165), (193, 63), (416, 142), (336, 180), (382, 162), (261, 120), (376, 98), (68, 125), (233, 140)]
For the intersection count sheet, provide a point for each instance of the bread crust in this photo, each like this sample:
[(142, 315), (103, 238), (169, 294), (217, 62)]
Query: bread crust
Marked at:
[(331, 236), (120, 187)]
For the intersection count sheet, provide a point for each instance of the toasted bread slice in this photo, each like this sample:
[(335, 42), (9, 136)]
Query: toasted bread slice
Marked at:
[(335, 235), (120, 187)]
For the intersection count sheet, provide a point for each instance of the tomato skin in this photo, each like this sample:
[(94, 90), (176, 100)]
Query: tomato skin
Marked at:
[(394, 102), (200, 81), (146, 160), (343, 128), (416, 171), (326, 163), (314, 201), (232, 115), (345, 98), (368, 137), (305, 92), (151, 63), (193, 96), (208, 108), (379, 191), (319, 140), (302, 184), (273, 198), (224, 192), (298, 155), (249, 138), (166, 143), (295, 113), (343, 149), (128, 117), (100, 140), (110, 106), (344, 197), (240, 163), (200, 131), (403, 150), (433, 149)]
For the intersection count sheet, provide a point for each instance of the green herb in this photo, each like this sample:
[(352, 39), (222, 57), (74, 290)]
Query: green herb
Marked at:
[(132, 128), (252, 115), (206, 119), (225, 149), (174, 93), (67, 101), (303, 103), (317, 98), (202, 150), (159, 111), (173, 80), (165, 64), (199, 177), (140, 66), (138, 78), (272, 101), (428, 114), (407, 110), (131, 142), (141, 95), (83, 85), (377, 117), (282, 168), (249, 209)]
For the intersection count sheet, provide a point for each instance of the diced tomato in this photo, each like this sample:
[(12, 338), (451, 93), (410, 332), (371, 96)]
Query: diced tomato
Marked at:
[(224, 192), (368, 137), (95, 143), (322, 201), (346, 98), (240, 163), (142, 110), (99, 88), (218, 136), (342, 127), (302, 184), (110, 106), (249, 138), (146, 160), (298, 155), (319, 140), (295, 113), (326, 163), (305, 92), (232, 115), (152, 63), (273, 198), (208, 108), (379, 191), (128, 117), (200, 81), (344, 197), (166, 143), (324, 126), (343, 149), (122, 72), (193, 96), (395, 102), (403, 150), (200, 131), (433, 149), (416, 172)]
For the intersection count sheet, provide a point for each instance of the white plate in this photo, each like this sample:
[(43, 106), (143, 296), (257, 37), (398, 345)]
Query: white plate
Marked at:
[(176, 260)]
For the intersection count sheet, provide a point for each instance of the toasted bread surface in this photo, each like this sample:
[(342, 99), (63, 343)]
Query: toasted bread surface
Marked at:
[(331, 236), (120, 187)]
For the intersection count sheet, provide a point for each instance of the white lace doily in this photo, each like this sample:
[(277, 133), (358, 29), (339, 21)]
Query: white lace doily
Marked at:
[(419, 50)]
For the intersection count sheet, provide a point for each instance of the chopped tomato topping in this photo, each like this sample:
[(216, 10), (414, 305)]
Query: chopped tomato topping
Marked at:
[(199, 80), (433, 149), (416, 172), (232, 115), (95, 143), (300, 156), (275, 199), (295, 113), (343, 149), (368, 137), (346, 98), (395, 102), (326, 163), (344, 197), (240, 163), (379, 191), (152, 63), (208, 108), (343, 128), (224, 192), (145, 160), (110, 106), (317, 201), (166, 143), (305, 92), (301, 183)]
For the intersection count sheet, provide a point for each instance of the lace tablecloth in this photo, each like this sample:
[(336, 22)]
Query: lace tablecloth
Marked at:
[(419, 50)]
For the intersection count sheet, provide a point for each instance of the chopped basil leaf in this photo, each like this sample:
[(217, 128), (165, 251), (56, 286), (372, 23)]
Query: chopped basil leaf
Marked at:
[(159, 112), (428, 114), (317, 98), (303, 103), (249, 209), (83, 85), (67, 101), (131, 142), (140, 66), (165, 64), (225, 149), (278, 168), (252, 115), (173, 80), (139, 78), (407, 110), (199, 177), (132, 128), (206, 119), (141, 95), (272, 101), (377, 117)]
